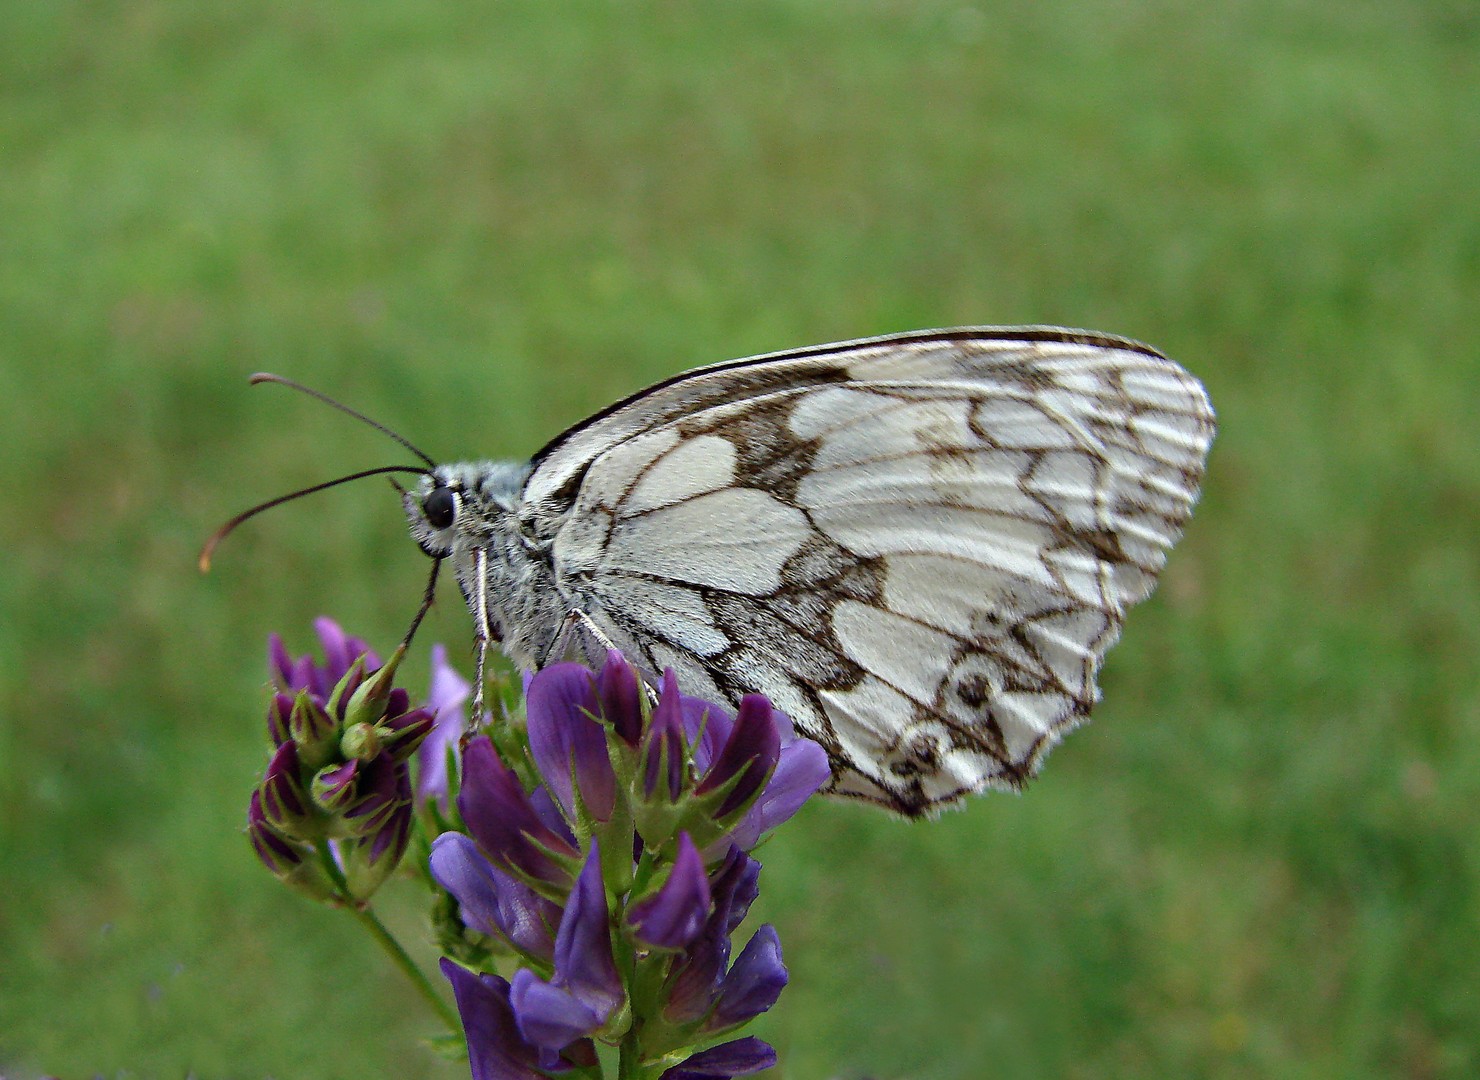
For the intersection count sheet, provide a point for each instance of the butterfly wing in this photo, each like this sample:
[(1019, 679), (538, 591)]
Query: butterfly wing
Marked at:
[(918, 547)]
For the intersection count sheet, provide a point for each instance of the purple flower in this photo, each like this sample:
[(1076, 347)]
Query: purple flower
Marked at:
[(492, 901), (504, 820), (445, 699), (496, 1051), (753, 983), (568, 743), (586, 987), (801, 768), (699, 974), (747, 757), (738, 1058), (340, 653), (638, 825), (800, 764), (672, 917), (342, 735)]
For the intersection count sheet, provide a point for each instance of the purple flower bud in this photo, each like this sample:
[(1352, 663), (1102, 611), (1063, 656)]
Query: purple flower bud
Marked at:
[(277, 853), (752, 985), (291, 862), (283, 803), (313, 729), (621, 697), (725, 1061), (673, 917), (491, 901), (369, 860), (384, 788), (404, 731), (334, 788), (496, 1050), (567, 744), (748, 755), (500, 816), (278, 712), (663, 744)]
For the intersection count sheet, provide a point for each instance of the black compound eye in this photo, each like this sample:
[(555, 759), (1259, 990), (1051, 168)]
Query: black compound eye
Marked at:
[(440, 507)]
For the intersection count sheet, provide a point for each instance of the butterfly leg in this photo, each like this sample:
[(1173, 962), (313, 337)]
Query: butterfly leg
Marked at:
[(482, 634), (567, 637)]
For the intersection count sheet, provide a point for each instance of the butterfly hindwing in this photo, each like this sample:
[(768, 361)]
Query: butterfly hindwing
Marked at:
[(919, 547)]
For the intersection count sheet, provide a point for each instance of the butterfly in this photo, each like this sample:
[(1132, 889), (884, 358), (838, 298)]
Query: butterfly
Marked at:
[(919, 546)]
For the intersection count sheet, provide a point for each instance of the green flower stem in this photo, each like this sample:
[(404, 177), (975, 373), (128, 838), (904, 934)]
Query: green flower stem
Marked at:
[(628, 1065), (371, 922)]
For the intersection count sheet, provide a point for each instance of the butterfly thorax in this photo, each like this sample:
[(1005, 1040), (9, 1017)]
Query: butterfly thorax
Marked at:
[(467, 513)]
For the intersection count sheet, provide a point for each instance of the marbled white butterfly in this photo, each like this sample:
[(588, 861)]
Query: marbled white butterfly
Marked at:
[(918, 546)]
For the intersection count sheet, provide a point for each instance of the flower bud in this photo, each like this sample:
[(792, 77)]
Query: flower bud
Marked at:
[(367, 704), (283, 802), (369, 860), (291, 862), (334, 788), (361, 741)]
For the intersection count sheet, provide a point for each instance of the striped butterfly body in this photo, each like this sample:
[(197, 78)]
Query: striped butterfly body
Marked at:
[(919, 547)]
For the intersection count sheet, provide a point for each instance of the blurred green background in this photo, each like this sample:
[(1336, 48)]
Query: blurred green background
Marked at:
[(480, 222)]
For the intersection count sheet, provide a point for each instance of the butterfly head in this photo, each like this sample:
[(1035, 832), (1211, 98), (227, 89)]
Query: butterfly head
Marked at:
[(463, 499)]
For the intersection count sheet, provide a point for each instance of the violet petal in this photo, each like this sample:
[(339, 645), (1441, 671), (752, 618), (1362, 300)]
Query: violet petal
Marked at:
[(662, 745), (567, 743), (492, 901), (741, 1057), (549, 1016), (621, 697), (448, 692), (496, 1050), (749, 753), (499, 815), (674, 916), (753, 983), (584, 963)]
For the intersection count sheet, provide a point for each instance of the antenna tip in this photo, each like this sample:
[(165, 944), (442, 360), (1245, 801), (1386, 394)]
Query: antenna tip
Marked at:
[(262, 377)]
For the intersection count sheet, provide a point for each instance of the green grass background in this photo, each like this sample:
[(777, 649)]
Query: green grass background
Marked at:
[(482, 221)]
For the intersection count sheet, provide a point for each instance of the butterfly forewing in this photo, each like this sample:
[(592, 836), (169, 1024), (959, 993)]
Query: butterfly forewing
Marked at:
[(919, 547)]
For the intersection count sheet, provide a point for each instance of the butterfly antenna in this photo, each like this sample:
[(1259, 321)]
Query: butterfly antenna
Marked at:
[(225, 530), (427, 598), (268, 377)]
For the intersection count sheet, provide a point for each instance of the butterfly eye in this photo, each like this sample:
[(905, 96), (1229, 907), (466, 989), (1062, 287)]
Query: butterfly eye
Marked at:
[(440, 507)]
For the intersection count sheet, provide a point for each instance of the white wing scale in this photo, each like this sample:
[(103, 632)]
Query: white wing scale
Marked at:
[(919, 547)]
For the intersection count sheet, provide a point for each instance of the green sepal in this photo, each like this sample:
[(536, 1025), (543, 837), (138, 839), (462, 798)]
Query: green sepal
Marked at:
[(308, 876), (369, 824), (448, 1046), (313, 730), (362, 874), (703, 827), (367, 703), (346, 687)]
